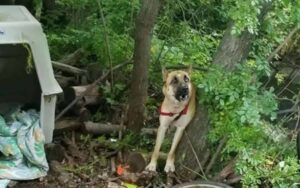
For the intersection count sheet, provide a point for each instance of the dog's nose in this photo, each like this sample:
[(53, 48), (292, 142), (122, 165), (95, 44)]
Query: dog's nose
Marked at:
[(185, 90), (182, 93)]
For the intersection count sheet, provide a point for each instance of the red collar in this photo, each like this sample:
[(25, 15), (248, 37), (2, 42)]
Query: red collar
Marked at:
[(183, 112)]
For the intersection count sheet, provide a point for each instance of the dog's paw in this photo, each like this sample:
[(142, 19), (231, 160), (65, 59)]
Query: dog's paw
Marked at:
[(151, 167), (170, 167)]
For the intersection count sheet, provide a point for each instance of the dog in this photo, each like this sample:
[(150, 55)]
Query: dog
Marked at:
[(177, 109)]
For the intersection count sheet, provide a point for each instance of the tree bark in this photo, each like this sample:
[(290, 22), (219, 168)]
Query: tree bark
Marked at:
[(68, 68), (139, 84), (232, 50), (67, 124), (194, 139), (88, 98), (65, 81), (73, 58)]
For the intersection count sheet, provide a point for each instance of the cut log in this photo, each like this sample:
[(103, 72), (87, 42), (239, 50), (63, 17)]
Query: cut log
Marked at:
[(90, 98), (101, 128), (64, 81), (82, 113), (108, 128), (73, 59), (68, 68), (67, 124), (90, 88)]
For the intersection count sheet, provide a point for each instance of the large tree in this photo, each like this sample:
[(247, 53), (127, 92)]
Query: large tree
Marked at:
[(139, 82), (192, 151)]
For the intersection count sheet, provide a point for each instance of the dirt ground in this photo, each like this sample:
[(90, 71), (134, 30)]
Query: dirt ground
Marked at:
[(80, 161), (74, 163)]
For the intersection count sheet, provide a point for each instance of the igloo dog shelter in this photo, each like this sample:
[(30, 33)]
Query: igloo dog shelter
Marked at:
[(26, 74)]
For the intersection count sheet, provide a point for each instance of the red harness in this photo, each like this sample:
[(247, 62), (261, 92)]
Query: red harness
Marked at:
[(183, 112)]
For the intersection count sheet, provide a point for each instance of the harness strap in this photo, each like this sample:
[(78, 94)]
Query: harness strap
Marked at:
[(183, 112)]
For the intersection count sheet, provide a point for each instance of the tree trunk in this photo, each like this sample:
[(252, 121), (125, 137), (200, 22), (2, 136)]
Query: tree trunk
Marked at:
[(193, 143), (139, 84), (232, 50)]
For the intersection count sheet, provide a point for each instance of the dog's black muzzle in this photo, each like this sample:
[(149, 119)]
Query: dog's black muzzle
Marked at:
[(182, 93)]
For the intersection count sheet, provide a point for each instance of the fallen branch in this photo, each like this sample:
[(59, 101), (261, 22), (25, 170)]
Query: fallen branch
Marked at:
[(186, 67), (64, 81), (101, 128), (233, 180), (91, 86), (67, 124), (287, 85), (107, 128), (197, 159), (216, 154), (227, 170), (272, 55), (290, 35), (90, 98), (286, 111), (68, 68), (206, 157), (289, 66)]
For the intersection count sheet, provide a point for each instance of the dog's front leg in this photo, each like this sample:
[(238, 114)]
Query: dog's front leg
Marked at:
[(159, 139), (170, 167)]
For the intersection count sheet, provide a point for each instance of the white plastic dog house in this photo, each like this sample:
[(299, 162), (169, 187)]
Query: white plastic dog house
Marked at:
[(26, 74)]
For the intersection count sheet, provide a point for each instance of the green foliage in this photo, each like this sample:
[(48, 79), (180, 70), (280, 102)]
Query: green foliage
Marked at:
[(244, 14), (235, 99), (189, 47), (84, 27), (262, 168), (79, 24), (239, 110)]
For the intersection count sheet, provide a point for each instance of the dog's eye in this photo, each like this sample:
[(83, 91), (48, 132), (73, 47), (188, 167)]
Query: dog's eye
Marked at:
[(174, 81), (186, 79)]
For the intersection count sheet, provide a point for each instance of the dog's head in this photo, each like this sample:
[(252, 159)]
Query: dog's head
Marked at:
[(177, 84)]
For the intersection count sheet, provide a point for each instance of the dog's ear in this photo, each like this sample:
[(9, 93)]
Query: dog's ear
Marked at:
[(189, 69), (164, 73)]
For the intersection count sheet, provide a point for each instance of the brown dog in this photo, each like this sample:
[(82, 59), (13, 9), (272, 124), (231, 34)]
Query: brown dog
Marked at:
[(178, 109)]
